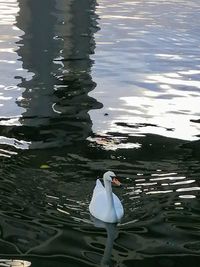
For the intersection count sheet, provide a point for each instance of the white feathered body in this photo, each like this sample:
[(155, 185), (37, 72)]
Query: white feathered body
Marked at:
[(99, 206)]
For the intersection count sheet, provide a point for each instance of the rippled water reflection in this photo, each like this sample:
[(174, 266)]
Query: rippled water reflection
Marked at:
[(148, 68), (86, 87)]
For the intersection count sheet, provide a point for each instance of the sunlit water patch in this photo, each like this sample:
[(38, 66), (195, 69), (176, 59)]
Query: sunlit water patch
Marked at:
[(147, 68), (11, 70)]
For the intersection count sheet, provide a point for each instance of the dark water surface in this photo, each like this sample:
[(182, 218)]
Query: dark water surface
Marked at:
[(87, 87)]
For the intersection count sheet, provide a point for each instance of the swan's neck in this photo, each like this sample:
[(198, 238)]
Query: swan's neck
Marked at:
[(109, 194)]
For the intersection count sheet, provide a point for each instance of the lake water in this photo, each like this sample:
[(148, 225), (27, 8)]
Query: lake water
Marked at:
[(92, 86)]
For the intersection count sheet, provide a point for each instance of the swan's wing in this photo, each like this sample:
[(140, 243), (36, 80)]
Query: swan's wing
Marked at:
[(99, 207), (99, 187), (118, 207), (98, 193), (98, 204)]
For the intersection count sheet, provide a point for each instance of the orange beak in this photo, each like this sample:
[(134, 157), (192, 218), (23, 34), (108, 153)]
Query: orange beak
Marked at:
[(116, 181)]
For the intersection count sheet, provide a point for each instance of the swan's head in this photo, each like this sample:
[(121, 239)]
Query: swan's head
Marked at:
[(111, 177)]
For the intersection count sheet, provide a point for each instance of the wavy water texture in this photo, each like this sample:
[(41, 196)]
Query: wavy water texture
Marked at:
[(87, 87), (148, 68)]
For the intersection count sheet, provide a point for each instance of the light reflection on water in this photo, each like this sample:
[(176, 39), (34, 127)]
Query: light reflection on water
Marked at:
[(116, 89), (148, 57)]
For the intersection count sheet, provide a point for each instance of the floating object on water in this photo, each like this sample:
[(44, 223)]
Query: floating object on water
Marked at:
[(44, 166)]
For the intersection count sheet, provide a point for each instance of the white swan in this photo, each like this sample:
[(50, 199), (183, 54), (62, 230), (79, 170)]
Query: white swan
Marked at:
[(105, 205)]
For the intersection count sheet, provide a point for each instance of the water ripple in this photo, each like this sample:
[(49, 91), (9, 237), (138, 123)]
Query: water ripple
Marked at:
[(161, 77), (117, 89)]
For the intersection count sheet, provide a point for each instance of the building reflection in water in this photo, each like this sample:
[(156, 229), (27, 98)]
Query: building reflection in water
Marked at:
[(56, 47)]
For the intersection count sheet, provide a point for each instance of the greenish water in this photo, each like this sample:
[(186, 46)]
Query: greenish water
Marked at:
[(87, 87)]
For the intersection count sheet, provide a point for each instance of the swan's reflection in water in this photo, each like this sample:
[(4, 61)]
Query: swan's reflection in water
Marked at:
[(14, 263), (112, 234)]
